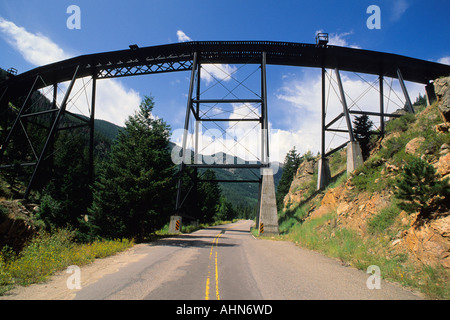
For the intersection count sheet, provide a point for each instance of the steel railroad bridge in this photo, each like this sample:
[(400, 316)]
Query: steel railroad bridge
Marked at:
[(190, 56)]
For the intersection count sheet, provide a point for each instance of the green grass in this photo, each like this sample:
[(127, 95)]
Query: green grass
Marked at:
[(400, 124), (290, 217), (48, 253), (381, 222)]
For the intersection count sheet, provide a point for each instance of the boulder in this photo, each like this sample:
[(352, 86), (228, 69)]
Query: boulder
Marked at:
[(443, 165), (413, 145)]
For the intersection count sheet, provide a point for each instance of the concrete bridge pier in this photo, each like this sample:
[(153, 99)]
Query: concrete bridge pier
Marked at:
[(354, 156), (324, 176), (268, 217), (175, 224)]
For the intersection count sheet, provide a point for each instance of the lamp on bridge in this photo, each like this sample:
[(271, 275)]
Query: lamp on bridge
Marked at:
[(12, 71), (322, 39)]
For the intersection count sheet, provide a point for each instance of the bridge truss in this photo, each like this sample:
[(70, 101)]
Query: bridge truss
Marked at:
[(191, 56)]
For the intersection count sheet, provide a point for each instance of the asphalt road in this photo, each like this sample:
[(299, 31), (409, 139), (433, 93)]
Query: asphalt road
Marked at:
[(227, 263)]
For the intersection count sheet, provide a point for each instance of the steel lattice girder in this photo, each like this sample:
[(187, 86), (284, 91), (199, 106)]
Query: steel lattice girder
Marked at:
[(145, 69), (178, 57)]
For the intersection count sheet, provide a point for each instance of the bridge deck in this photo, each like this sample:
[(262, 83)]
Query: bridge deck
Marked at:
[(178, 57)]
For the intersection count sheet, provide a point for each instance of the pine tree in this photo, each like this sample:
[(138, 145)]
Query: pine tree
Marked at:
[(363, 131), (209, 195), (421, 189), (135, 192), (66, 197), (225, 210), (291, 163)]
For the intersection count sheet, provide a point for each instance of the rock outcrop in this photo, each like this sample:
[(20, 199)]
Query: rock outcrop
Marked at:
[(16, 227), (352, 210), (442, 90), (303, 177), (430, 242)]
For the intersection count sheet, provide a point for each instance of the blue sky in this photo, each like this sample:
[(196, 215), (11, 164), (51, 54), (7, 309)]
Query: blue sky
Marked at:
[(34, 33)]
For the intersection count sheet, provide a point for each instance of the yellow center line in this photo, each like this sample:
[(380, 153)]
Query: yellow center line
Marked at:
[(208, 279), (207, 288), (217, 280)]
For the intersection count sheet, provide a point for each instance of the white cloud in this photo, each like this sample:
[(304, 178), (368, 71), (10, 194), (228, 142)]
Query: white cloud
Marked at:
[(35, 48), (114, 101), (445, 60), (236, 139), (220, 72), (182, 37), (399, 7), (303, 119)]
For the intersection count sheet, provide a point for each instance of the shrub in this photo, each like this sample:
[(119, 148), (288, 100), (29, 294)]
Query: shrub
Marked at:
[(43, 256), (48, 253), (420, 189), (433, 142), (6, 279), (49, 211), (393, 146)]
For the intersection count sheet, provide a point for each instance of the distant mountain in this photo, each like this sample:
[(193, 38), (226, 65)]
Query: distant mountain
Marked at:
[(108, 129), (245, 193), (237, 193)]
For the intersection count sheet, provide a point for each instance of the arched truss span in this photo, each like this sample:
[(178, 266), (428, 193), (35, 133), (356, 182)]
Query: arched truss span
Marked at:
[(189, 56), (179, 57)]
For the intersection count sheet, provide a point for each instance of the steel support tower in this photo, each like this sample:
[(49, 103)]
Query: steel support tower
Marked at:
[(195, 110)]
